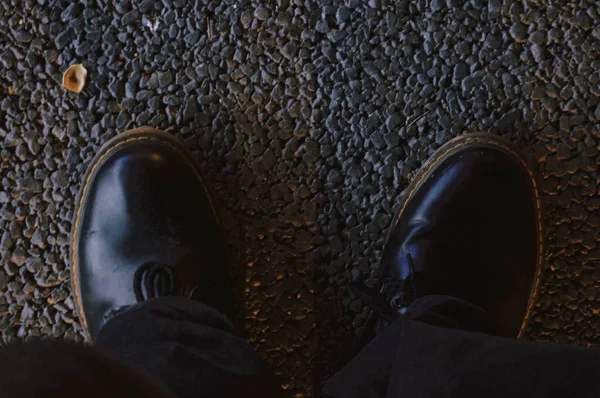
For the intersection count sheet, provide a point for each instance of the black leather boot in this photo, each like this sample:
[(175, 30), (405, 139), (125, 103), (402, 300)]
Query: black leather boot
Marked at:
[(145, 226), (468, 227)]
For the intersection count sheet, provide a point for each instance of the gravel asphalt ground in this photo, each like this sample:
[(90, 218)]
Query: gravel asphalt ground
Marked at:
[(309, 118)]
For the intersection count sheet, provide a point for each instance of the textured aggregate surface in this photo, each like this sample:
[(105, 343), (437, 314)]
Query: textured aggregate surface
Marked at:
[(309, 118)]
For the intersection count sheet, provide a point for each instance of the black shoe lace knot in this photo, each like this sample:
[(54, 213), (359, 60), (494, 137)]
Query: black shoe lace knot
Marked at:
[(153, 280), (392, 298)]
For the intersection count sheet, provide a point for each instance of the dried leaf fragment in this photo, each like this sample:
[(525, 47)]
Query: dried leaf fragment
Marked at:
[(74, 78)]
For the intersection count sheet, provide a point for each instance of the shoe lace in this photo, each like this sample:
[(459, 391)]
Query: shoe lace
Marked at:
[(392, 298), (153, 280)]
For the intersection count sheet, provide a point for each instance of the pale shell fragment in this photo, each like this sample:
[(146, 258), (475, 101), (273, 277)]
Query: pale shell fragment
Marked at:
[(74, 78)]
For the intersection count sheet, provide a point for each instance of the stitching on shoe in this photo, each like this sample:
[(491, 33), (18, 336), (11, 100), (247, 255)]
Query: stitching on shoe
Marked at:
[(74, 249), (461, 141)]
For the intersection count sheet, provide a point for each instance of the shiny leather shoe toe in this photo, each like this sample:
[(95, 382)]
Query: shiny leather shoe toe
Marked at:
[(469, 227), (144, 227)]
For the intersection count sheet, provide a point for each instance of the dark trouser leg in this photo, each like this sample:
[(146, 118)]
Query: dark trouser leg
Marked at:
[(438, 349), (67, 370), (190, 347)]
